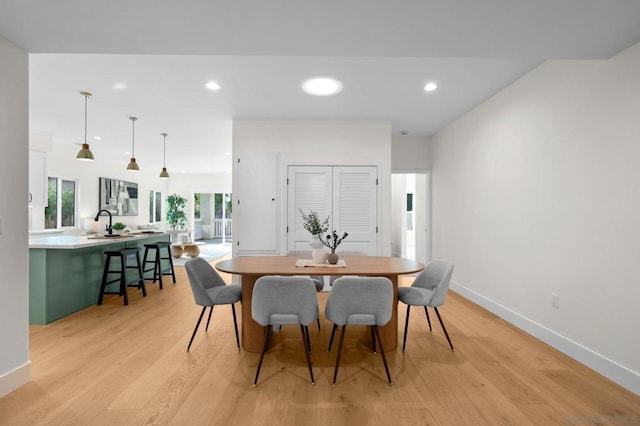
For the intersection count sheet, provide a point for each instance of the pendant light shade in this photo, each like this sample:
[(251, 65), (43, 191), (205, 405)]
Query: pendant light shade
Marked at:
[(133, 166), (85, 153), (164, 174)]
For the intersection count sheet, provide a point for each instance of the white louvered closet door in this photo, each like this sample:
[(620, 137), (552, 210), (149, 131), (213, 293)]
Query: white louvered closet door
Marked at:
[(348, 194), (354, 207), (310, 189)]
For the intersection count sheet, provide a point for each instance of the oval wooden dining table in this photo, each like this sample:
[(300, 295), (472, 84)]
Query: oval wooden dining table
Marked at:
[(250, 268)]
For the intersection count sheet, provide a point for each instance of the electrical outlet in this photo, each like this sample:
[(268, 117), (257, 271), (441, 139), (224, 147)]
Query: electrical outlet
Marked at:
[(555, 300)]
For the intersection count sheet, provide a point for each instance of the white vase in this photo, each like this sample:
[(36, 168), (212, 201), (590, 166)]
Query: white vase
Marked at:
[(319, 252)]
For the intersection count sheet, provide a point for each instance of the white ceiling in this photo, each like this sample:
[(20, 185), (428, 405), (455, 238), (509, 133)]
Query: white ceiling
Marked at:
[(260, 51)]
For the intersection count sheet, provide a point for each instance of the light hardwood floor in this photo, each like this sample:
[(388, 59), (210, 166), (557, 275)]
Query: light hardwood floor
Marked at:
[(116, 365)]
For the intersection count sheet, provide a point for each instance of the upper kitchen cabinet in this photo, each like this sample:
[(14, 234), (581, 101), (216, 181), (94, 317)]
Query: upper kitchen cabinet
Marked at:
[(37, 196)]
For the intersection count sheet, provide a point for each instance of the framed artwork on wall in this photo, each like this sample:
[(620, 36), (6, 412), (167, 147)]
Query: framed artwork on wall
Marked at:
[(118, 197)]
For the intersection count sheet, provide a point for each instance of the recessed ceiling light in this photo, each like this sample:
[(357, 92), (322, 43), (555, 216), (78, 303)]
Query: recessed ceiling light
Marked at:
[(120, 86), (322, 86), (430, 86), (127, 153), (212, 85), (227, 153), (98, 138)]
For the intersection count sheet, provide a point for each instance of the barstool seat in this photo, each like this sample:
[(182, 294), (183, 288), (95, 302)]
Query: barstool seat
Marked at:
[(156, 261), (121, 272)]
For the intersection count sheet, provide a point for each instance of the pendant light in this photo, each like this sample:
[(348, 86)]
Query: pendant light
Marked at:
[(133, 166), (85, 153), (164, 174)]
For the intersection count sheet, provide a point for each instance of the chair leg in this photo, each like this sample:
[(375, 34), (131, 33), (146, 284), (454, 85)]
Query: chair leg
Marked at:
[(443, 327), (209, 319), (426, 312), (384, 358), (333, 333), (123, 278), (235, 324), (196, 329), (170, 257), (373, 342), (141, 274), (267, 332), (157, 270), (406, 328), (307, 349), (335, 372), (306, 330)]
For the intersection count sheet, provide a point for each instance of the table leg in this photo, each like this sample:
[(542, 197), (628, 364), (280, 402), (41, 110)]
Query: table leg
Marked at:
[(389, 332), (252, 332)]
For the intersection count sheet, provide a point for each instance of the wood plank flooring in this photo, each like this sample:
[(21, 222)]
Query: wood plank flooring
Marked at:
[(112, 364)]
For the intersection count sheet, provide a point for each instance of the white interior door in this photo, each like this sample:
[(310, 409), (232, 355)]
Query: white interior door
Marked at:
[(309, 189), (355, 207), (255, 207)]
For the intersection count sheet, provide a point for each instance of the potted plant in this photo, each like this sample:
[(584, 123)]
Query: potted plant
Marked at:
[(176, 216), (333, 241), (312, 223), (118, 227)]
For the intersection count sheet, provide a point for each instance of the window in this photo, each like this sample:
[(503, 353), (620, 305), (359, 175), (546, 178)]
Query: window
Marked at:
[(61, 207), (155, 206)]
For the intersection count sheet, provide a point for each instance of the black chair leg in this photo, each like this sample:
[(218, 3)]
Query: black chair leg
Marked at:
[(209, 319), (384, 358), (406, 328), (267, 332), (373, 342), (235, 324), (123, 278), (157, 270), (426, 312), (307, 350), (333, 333), (306, 330), (196, 329), (443, 327), (141, 274), (335, 373)]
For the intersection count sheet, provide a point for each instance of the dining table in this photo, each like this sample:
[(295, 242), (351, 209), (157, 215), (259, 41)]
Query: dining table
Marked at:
[(250, 268)]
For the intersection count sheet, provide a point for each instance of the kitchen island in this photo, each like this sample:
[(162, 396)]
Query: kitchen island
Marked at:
[(65, 271)]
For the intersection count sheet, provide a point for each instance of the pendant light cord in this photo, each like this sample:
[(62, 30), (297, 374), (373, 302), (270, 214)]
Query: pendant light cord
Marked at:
[(85, 118)]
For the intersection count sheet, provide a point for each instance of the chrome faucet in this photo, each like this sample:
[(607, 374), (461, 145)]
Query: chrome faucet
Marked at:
[(110, 227)]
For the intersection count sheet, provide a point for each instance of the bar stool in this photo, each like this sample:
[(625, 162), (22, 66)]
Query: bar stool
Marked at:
[(123, 255), (156, 261)]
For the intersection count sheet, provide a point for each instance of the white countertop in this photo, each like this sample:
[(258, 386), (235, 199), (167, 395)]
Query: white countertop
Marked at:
[(82, 241)]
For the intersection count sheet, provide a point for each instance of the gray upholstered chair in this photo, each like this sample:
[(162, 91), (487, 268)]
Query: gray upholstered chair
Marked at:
[(429, 289), (279, 300), (209, 290), (359, 301)]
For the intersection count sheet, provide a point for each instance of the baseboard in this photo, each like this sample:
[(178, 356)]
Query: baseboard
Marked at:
[(15, 378), (613, 371)]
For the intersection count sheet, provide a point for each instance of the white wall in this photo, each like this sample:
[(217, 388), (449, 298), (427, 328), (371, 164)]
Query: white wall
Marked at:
[(536, 192), (322, 142), (410, 153), (14, 253)]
